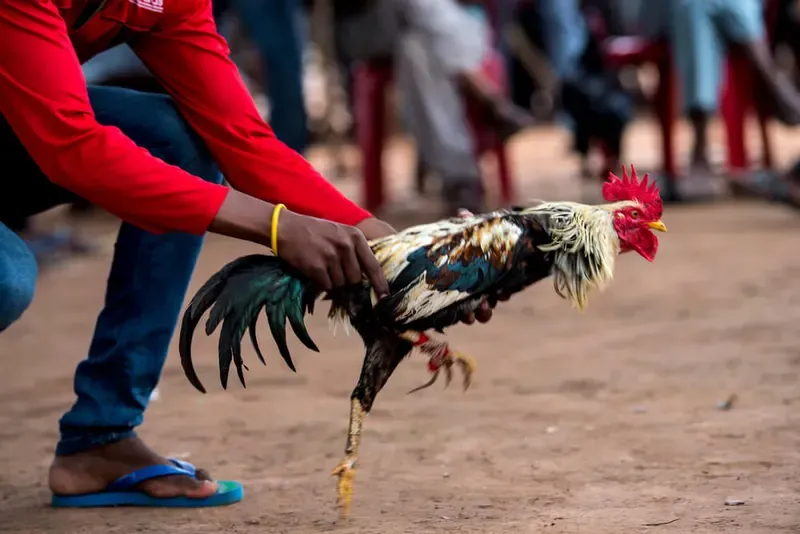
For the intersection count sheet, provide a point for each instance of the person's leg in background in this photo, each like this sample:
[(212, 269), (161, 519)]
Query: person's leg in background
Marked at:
[(146, 288), (18, 271), (699, 52), (741, 23), (439, 61), (275, 27), (435, 116)]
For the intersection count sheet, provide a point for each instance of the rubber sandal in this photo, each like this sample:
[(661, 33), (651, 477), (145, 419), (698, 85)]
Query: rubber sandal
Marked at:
[(121, 492)]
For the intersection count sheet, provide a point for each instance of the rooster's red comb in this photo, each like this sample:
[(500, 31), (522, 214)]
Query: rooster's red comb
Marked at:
[(617, 189)]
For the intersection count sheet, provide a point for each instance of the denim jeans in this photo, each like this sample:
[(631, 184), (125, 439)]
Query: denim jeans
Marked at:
[(277, 29), (701, 31), (148, 280)]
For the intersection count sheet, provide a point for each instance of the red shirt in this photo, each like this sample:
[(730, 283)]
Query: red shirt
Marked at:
[(43, 96)]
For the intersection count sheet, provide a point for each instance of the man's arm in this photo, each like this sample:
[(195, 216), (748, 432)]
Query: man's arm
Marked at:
[(191, 60), (43, 96)]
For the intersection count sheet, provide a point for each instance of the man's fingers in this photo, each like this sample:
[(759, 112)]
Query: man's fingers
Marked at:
[(336, 274), (370, 266), (320, 277), (468, 318), (464, 213), (352, 271), (483, 314)]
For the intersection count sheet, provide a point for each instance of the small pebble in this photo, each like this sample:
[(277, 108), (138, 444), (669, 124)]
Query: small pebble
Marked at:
[(155, 395), (639, 409), (733, 502), (727, 404), (551, 429), (445, 475)]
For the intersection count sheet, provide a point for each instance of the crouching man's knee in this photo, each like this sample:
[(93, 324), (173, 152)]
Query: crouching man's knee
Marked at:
[(18, 272)]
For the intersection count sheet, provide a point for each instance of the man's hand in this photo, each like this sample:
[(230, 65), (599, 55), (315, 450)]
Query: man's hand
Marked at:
[(331, 254), (373, 228)]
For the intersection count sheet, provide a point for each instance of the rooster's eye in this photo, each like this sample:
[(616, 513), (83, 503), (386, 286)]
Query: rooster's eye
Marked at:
[(635, 214)]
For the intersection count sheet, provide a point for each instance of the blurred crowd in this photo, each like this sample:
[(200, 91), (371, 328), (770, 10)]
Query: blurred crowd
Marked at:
[(506, 65)]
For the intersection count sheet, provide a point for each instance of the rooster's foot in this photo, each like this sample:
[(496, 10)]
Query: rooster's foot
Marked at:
[(346, 471), (344, 488), (465, 362), (442, 357)]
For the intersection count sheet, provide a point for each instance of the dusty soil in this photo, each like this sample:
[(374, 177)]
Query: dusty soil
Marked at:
[(600, 422)]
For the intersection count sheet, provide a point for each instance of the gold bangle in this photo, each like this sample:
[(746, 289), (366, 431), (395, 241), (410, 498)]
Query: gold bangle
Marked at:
[(276, 214)]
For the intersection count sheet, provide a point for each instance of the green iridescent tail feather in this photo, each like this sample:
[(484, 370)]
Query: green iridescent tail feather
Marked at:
[(236, 295)]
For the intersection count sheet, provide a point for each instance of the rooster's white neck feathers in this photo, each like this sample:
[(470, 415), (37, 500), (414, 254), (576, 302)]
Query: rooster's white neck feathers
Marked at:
[(585, 245)]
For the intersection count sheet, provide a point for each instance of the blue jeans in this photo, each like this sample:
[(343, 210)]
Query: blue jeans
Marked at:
[(700, 32), (276, 29), (147, 284)]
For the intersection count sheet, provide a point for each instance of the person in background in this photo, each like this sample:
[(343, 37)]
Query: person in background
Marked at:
[(277, 29), (701, 33), (438, 48), (589, 93)]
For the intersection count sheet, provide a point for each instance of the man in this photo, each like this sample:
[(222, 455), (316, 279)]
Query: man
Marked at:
[(276, 28), (151, 160), (701, 33), (439, 49), (590, 93)]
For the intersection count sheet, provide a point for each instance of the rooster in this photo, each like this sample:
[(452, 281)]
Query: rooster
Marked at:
[(437, 273)]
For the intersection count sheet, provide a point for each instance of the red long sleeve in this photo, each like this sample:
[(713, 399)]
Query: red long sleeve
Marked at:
[(191, 60), (44, 98)]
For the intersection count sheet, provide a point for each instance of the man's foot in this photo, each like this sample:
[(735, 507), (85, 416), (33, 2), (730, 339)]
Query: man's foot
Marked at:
[(94, 470), (772, 187), (700, 184), (509, 119)]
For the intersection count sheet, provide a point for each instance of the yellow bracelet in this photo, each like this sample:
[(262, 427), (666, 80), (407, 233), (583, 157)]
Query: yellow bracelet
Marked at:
[(276, 214)]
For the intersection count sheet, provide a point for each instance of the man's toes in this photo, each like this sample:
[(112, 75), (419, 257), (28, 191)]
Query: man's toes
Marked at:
[(202, 474), (179, 486)]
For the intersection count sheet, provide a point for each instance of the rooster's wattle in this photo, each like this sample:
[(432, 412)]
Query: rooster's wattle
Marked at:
[(437, 273)]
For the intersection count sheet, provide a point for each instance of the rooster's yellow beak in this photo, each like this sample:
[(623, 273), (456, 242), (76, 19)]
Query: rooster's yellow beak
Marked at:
[(657, 225)]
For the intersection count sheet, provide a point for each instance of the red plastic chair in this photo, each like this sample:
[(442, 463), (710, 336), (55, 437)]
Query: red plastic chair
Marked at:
[(620, 51), (371, 82), (738, 100)]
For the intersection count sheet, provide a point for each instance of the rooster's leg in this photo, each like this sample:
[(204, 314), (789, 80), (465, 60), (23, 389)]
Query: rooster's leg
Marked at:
[(346, 470), (381, 360), (442, 357)]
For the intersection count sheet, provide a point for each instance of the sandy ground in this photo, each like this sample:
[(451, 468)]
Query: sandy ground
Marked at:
[(601, 422)]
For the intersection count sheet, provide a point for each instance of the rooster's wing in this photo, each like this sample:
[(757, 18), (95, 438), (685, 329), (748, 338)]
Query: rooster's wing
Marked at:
[(434, 266)]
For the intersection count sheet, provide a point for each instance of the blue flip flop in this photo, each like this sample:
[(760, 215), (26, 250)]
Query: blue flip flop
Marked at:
[(120, 492)]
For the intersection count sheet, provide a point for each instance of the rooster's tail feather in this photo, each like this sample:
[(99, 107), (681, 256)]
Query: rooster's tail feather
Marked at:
[(236, 294)]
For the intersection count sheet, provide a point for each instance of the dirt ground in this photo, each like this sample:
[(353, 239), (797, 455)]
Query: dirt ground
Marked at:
[(602, 422)]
